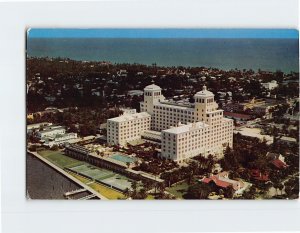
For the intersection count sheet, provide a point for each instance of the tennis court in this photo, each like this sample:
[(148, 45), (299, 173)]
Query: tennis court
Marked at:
[(119, 182), (103, 176), (92, 172)]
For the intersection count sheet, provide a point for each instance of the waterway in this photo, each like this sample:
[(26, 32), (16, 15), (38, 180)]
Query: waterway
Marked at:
[(43, 182)]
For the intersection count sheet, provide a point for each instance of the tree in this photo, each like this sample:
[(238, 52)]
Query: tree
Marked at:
[(198, 191), (134, 185), (229, 192), (54, 147), (250, 194), (127, 193), (143, 194)]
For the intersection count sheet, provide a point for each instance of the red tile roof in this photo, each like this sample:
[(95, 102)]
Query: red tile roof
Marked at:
[(258, 175), (279, 164), (218, 182), (238, 115), (222, 180)]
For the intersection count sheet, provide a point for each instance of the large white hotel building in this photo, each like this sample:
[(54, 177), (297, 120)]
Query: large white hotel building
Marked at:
[(184, 130)]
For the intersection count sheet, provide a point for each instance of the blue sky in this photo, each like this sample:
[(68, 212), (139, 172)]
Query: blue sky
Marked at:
[(162, 33)]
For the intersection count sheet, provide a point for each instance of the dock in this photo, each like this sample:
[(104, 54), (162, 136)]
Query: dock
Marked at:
[(74, 192)]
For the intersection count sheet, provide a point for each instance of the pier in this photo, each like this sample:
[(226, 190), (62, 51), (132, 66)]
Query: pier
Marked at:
[(74, 192), (87, 197)]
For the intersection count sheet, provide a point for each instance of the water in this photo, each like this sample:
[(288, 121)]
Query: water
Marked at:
[(43, 182), (265, 54)]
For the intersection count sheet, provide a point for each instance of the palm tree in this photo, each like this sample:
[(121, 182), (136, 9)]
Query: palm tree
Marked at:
[(134, 186), (280, 187), (143, 194), (127, 193)]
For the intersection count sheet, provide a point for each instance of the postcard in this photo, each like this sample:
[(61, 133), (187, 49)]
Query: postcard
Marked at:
[(162, 114)]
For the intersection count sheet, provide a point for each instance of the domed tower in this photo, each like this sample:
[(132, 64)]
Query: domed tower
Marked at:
[(152, 95), (205, 106)]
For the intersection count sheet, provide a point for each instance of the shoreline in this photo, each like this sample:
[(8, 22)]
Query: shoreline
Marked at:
[(67, 175)]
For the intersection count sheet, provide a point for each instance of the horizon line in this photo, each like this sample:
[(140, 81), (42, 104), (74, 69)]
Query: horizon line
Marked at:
[(167, 33)]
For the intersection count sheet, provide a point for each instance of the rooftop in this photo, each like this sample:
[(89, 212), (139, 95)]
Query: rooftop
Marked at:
[(152, 87), (129, 117), (238, 115), (175, 105), (204, 93), (51, 128), (186, 128)]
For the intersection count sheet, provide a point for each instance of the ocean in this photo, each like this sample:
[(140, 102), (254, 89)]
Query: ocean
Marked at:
[(43, 182), (226, 54)]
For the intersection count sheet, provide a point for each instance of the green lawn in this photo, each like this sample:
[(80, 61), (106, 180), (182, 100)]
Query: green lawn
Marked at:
[(107, 192), (59, 159), (150, 197), (179, 189)]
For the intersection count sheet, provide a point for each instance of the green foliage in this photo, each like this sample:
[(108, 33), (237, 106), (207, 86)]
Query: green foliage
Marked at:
[(198, 191)]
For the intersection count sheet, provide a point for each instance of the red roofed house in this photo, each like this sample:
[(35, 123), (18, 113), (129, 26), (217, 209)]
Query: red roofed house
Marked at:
[(237, 116), (279, 164), (222, 180), (258, 175), (277, 160)]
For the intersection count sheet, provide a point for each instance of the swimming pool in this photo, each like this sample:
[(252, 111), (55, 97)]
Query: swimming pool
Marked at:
[(123, 158)]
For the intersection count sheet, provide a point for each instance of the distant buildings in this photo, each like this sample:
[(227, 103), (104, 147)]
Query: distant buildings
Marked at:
[(186, 129), (260, 107), (135, 93), (238, 116), (270, 85), (287, 140)]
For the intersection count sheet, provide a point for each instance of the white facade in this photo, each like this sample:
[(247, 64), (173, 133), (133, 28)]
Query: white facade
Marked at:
[(127, 127), (186, 141), (37, 126), (128, 110), (186, 130), (270, 85), (51, 131), (60, 139)]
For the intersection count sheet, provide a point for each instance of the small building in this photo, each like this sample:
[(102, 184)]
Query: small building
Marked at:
[(259, 175), (135, 93), (37, 126), (238, 116), (277, 160), (288, 140), (270, 85), (51, 131), (222, 180), (273, 156), (59, 139)]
